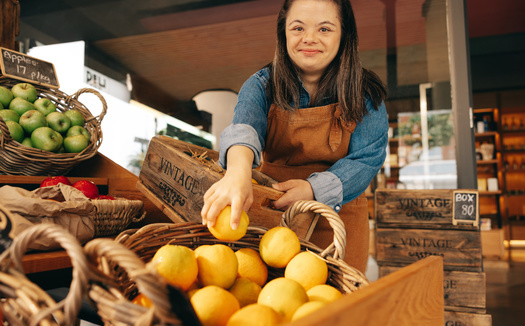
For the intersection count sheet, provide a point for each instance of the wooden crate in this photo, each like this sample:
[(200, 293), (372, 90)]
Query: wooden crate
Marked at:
[(460, 289), (411, 296), (414, 224), (455, 318), (461, 250), (175, 175), (422, 209)]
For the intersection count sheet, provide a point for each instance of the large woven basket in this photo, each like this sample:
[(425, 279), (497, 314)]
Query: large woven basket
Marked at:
[(114, 216), (17, 159), (114, 302), (120, 274), (25, 303)]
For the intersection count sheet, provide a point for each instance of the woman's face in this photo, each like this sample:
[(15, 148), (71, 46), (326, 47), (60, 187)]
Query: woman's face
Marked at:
[(313, 34)]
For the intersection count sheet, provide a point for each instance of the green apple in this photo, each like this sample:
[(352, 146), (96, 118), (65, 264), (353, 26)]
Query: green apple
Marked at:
[(75, 144), (9, 115), (20, 105), (25, 90), (58, 121), (45, 105), (78, 130), (60, 140), (5, 96), (46, 139), (77, 119), (15, 130), (27, 142), (32, 120)]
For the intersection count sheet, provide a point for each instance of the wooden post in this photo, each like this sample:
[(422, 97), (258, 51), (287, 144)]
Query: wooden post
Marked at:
[(9, 23)]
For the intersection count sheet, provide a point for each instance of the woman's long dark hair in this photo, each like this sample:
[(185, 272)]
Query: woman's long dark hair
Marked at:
[(344, 81)]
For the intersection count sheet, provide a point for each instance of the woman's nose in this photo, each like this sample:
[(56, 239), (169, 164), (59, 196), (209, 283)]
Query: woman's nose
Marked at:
[(309, 37)]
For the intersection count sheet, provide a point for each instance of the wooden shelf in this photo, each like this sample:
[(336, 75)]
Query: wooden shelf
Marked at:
[(102, 171), (486, 134), (487, 162)]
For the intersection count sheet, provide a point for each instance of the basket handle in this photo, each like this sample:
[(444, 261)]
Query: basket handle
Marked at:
[(5, 136), (338, 245), (97, 94), (73, 301), (107, 251)]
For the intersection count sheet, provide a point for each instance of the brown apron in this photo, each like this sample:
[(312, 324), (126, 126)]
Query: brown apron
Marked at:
[(310, 140)]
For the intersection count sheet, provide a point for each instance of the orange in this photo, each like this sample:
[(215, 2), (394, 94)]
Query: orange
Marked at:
[(251, 266), (308, 269), (177, 264), (278, 246), (284, 295), (214, 305), (222, 229), (217, 265)]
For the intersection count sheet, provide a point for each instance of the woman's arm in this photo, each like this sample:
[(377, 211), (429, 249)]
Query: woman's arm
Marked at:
[(234, 189)]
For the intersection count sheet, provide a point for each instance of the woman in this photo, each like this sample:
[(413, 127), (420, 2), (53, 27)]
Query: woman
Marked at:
[(313, 119)]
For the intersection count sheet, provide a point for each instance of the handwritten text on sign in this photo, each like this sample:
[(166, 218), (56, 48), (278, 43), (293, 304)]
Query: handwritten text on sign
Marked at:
[(20, 66), (465, 207)]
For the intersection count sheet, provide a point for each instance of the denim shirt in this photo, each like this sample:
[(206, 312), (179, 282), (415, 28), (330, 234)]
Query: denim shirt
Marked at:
[(342, 182)]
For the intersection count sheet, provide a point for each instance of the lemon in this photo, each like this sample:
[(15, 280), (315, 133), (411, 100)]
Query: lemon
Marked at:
[(251, 266), (284, 296), (278, 246), (217, 265), (245, 291), (142, 300), (177, 264), (323, 292), (307, 308), (308, 269), (222, 229), (255, 315), (214, 305)]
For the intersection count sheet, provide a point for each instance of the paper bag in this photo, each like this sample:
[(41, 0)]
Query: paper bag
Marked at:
[(60, 204)]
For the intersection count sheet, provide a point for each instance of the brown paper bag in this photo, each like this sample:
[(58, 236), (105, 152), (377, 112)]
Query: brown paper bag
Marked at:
[(60, 204)]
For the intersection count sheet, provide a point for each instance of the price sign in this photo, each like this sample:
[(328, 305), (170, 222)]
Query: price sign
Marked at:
[(465, 207), (22, 67)]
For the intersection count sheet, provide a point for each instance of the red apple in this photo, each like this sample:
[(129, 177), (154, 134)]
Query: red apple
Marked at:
[(105, 197), (88, 188), (52, 181)]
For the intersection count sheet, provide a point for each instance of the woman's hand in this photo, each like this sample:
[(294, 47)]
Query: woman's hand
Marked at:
[(294, 189), (234, 189)]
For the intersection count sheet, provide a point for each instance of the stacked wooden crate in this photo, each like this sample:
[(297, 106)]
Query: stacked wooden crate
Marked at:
[(414, 224)]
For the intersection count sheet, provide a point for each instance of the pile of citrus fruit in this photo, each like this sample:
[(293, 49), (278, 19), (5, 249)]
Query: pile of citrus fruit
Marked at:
[(230, 287)]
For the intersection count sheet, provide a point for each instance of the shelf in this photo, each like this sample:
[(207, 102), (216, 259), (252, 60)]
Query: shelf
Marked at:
[(489, 193), (518, 131), (486, 134), (36, 180), (487, 162)]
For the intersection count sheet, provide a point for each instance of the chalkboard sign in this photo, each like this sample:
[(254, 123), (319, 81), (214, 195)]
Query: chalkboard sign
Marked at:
[(465, 207), (20, 66)]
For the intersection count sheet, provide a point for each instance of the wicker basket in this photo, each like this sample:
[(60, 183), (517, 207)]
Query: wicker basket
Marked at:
[(23, 302), (114, 216), (17, 159), (120, 274), (113, 302)]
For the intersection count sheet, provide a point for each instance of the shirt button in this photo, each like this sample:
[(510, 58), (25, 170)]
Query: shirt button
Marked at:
[(337, 207)]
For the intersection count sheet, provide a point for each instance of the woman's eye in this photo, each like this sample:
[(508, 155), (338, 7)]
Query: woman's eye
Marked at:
[(298, 28), (324, 29)]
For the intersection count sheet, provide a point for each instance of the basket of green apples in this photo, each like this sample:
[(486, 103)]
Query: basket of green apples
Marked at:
[(44, 131)]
